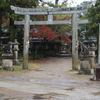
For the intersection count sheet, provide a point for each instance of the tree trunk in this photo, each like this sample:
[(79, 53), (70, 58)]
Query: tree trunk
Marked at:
[(0, 25), (44, 47), (12, 27), (56, 1)]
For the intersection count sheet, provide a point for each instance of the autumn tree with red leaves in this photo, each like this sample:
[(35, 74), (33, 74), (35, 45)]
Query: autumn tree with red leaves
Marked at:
[(44, 32), (48, 34), (64, 39)]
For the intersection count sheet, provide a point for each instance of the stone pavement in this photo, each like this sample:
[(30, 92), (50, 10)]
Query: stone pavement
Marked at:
[(52, 81)]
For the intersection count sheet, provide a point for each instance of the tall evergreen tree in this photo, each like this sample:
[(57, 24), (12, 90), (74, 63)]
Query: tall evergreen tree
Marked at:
[(6, 12), (4, 7), (94, 18)]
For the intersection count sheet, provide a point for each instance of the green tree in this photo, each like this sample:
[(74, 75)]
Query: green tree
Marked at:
[(4, 7), (92, 29), (6, 12), (25, 3)]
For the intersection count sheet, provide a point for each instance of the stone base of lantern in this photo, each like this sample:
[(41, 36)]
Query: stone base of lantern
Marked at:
[(84, 67), (7, 64)]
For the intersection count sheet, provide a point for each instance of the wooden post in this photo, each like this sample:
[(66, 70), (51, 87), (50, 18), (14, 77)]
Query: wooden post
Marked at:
[(74, 43), (99, 47), (26, 41)]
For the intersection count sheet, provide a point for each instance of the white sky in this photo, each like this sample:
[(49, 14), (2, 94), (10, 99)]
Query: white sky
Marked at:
[(76, 2)]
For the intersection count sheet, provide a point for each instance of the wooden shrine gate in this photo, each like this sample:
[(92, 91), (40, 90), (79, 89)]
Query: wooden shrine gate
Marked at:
[(50, 12)]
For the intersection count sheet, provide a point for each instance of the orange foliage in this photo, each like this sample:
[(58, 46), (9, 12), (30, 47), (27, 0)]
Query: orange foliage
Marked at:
[(6, 20)]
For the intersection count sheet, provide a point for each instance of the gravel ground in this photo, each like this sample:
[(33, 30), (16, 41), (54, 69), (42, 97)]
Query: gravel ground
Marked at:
[(55, 73)]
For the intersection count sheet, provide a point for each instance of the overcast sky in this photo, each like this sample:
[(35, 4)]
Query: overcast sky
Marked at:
[(76, 2)]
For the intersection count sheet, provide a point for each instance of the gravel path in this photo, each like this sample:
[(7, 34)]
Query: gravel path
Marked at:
[(54, 73)]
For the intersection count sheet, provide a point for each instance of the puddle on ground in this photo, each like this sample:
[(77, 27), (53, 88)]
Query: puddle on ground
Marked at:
[(19, 99), (70, 89), (39, 70), (46, 96), (1, 95), (96, 93)]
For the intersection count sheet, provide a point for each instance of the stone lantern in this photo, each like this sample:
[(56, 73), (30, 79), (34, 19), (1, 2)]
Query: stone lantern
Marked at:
[(16, 49), (7, 57), (92, 56)]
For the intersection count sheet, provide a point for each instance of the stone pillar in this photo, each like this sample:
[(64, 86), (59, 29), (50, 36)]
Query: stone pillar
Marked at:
[(26, 41), (74, 43), (16, 61)]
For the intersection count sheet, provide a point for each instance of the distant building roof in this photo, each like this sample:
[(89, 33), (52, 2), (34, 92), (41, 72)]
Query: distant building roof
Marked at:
[(4, 37)]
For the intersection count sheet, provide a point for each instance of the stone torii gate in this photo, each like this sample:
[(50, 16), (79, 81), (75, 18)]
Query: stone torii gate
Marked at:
[(50, 12)]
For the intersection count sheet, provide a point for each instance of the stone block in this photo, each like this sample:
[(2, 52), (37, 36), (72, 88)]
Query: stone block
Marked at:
[(84, 67), (7, 64)]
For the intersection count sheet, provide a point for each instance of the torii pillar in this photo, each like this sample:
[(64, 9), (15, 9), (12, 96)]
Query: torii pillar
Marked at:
[(74, 42), (26, 41)]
